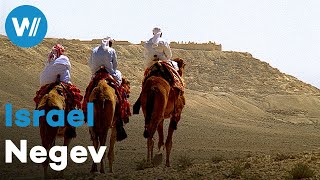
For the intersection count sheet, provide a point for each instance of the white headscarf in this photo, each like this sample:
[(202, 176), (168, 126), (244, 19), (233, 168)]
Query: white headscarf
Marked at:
[(105, 42), (156, 36)]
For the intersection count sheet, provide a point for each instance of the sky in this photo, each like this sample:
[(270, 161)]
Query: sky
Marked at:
[(283, 33)]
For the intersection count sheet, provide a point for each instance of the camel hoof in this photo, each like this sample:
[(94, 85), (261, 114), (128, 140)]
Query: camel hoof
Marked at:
[(149, 165), (102, 171), (167, 163), (93, 170), (145, 134), (173, 125), (136, 107)]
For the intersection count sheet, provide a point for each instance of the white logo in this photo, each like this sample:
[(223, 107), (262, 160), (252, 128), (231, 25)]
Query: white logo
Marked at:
[(25, 24)]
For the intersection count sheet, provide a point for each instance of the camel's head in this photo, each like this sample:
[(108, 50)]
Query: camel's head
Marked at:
[(126, 85), (181, 66)]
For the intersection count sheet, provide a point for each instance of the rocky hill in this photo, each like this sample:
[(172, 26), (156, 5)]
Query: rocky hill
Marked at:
[(236, 104)]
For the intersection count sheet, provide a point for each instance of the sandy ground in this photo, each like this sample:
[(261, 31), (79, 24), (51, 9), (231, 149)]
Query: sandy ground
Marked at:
[(201, 136)]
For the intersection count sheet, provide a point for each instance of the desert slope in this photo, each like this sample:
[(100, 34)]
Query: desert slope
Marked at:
[(213, 72)]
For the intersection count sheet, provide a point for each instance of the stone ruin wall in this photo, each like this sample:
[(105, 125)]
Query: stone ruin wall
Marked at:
[(210, 46), (197, 46), (98, 41)]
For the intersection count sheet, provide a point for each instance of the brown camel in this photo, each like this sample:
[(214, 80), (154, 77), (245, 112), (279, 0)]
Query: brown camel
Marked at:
[(55, 99), (159, 101), (105, 117)]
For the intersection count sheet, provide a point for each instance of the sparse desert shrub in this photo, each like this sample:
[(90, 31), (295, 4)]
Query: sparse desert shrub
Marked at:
[(251, 177), (313, 158), (235, 172), (172, 178), (184, 162), (247, 165), (196, 175), (216, 159), (248, 155), (301, 170), (281, 157), (141, 165)]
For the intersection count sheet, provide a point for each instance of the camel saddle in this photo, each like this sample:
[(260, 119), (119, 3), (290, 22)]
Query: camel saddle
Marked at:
[(124, 106), (166, 71)]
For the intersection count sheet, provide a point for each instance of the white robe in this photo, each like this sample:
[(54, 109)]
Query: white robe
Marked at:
[(107, 57), (159, 47), (60, 66)]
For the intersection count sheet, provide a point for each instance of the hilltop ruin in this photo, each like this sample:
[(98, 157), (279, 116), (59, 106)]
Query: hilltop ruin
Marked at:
[(209, 46)]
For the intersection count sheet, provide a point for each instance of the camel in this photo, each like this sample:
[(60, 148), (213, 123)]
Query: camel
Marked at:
[(106, 117), (159, 100), (55, 99)]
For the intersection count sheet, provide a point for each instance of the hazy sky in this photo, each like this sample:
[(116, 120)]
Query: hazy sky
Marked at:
[(284, 33)]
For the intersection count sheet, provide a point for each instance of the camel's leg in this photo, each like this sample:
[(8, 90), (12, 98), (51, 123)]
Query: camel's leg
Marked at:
[(94, 167), (169, 143), (70, 132), (157, 159), (150, 143), (103, 140), (66, 141), (113, 139), (48, 136), (45, 164), (160, 133), (45, 171), (151, 149)]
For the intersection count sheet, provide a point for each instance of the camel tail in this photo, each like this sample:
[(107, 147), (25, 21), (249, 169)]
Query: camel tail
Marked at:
[(104, 117)]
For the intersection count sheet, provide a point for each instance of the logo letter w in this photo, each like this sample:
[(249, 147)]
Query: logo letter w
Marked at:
[(25, 25)]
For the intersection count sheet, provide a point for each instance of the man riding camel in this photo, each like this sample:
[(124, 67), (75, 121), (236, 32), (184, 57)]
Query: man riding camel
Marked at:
[(58, 71), (105, 55), (103, 64), (156, 49), (57, 64)]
